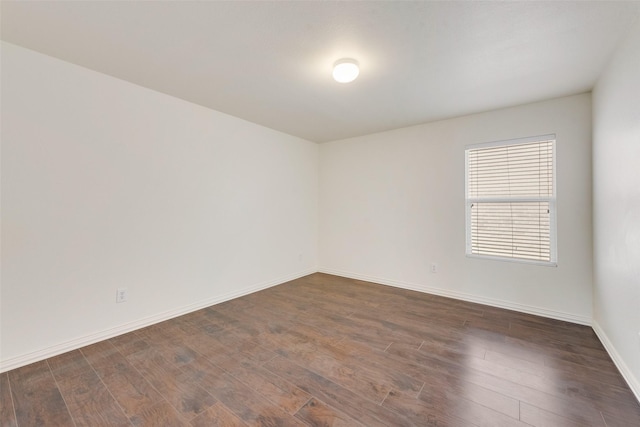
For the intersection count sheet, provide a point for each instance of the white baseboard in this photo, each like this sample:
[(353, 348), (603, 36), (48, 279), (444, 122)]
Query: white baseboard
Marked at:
[(559, 315), (45, 353), (632, 381)]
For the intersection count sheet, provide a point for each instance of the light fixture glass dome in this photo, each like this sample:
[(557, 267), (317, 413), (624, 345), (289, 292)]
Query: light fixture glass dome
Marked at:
[(345, 70)]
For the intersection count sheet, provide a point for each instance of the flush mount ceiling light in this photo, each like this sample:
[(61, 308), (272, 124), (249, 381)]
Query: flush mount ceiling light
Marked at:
[(345, 70)]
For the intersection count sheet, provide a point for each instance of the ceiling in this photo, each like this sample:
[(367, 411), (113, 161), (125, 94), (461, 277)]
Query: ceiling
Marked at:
[(270, 62)]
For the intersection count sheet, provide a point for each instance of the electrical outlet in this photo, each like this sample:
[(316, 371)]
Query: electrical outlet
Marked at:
[(434, 268), (121, 295)]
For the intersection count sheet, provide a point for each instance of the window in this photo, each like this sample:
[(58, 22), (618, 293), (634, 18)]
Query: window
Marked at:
[(511, 200)]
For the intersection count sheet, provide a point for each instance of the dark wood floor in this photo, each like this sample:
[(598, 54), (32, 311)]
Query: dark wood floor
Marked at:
[(322, 351)]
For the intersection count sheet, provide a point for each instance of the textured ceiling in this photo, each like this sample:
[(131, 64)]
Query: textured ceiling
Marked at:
[(270, 62)]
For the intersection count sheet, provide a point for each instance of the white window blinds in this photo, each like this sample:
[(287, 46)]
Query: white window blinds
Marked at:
[(510, 197)]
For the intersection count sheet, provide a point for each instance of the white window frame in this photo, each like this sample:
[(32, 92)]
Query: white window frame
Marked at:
[(553, 235)]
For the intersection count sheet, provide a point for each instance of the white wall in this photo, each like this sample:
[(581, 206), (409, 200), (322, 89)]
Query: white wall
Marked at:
[(393, 202), (616, 190), (106, 184)]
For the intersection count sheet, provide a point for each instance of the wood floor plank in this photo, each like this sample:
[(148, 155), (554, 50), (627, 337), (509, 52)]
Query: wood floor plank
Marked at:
[(576, 390), (132, 391), (69, 364), (159, 414), (437, 375), (236, 347), (186, 397), (618, 420), (7, 411), (245, 403), (489, 398), (422, 412), (318, 414), (441, 370), (580, 372), (169, 343), (129, 343), (362, 409), (217, 416), (89, 401), (216, 316), (557, 346), (468, 410), (540, 418), (36, 397), (562, 406), (279, 391), (328, 350), (344, 374), (559, 370), (585, 342), (341, 326)]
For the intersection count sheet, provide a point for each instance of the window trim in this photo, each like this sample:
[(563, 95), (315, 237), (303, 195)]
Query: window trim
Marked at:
[(553, 232)]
